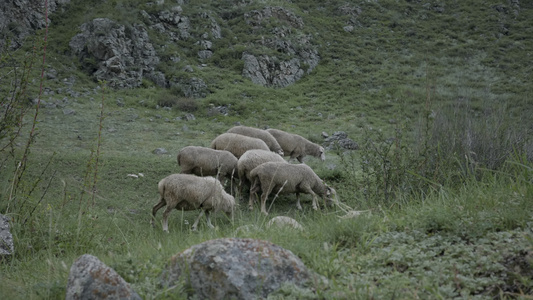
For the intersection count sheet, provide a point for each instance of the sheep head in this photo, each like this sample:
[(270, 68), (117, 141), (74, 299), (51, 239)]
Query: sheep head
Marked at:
[(227, 204), (322, 153), (331, 196)]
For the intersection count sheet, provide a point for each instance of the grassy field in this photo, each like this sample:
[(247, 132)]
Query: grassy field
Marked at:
[(437, 97)]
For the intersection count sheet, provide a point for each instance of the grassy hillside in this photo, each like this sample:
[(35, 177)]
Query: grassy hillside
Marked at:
[(436, 94)]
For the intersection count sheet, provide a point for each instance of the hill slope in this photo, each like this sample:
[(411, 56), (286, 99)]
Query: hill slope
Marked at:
[(436, 94)]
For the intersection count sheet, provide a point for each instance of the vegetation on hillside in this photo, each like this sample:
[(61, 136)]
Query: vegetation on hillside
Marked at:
[(436, 94)]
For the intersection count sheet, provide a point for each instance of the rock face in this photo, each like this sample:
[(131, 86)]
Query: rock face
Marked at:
[(89, 278), (115, 54), (234, 268), (6, 239), (270, 70), (20, 18)]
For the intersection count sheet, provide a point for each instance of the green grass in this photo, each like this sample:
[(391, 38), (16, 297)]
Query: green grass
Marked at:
[(451, 228)]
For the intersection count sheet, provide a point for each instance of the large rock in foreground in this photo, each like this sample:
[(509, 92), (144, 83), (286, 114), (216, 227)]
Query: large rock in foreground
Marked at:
[(234, 268), (89, 278)]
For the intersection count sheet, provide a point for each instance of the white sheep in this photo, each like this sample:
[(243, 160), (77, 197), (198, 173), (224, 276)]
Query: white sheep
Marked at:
[(248, 161), (289, 178), (203, 161), (297, 146), (237, 143), (264, 135), (190, 192)]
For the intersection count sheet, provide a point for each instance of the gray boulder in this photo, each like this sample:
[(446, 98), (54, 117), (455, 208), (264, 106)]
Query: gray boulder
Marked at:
[(301, 56), (89, 278), (339, 139), (120, 57), (235, 268), (6, 239)]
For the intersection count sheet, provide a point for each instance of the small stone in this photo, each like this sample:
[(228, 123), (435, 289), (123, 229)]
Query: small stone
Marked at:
[(68, 111), (283, 221), (160, 151)]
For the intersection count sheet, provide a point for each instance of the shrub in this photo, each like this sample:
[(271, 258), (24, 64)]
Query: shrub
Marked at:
[(486, 139), (448, 146), (182, 103)]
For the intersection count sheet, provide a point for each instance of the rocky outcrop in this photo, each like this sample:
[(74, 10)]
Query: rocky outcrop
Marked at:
[(20, 18), (300, 55), (172, 23), (113, 53), (6, 238), (234, 268), (89, 278)]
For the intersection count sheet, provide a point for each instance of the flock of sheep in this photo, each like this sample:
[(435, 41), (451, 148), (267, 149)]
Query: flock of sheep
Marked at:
[(247, 156)]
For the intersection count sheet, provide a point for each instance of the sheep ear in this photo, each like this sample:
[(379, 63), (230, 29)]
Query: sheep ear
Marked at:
[(330, 190)]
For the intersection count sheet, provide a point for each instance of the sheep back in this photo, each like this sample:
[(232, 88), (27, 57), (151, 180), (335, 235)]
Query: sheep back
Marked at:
[(253, 158), (190, 192), (237, 144), (289, 176), (264, 135), (203, 161), (296, 146)]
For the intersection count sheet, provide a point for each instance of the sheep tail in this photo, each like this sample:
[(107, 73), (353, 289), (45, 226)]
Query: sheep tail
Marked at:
[(179, 159)]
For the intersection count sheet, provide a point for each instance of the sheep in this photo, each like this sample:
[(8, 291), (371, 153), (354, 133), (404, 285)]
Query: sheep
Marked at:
[(237, 143), (296, 146), (251, 159), (203, 161), (264, 135), (289, 178), (190, 192)]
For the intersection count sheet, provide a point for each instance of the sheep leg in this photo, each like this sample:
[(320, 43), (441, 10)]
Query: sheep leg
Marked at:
[(264, 197), (202, 212), (298, 206), (252, 199), (195, 225), (254, 188), (207, 215), (315, 202), (158, 206), (241, 186), (165, 216), (308, 190)]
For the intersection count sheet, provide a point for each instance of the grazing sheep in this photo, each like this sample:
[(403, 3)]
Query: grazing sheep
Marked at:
[(264, 135), (289, 178), (237, 143), (203, 161), (296, 146), (190, 192), (251, 159)]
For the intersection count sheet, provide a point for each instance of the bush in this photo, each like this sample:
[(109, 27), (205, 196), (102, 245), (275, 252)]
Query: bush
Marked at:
[(485, 139), (182, 103), (449, 146)]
